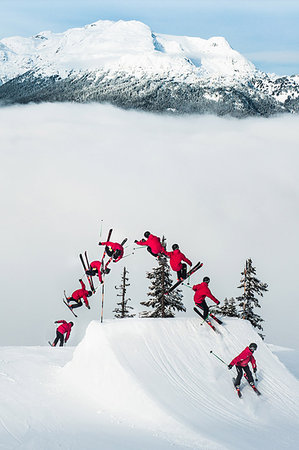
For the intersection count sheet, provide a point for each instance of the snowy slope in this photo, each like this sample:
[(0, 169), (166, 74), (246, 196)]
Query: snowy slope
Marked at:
[(147, 383)]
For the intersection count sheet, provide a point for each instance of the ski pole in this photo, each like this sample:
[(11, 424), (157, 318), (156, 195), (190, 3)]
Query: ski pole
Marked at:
[(187, 285), (211, 351)]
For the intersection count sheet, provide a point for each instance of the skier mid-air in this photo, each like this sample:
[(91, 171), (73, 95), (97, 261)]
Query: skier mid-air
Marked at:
[(176, 258), (153, 243), (201, 292), (65, 328), (95, 269), (114, 250), (78, 295)]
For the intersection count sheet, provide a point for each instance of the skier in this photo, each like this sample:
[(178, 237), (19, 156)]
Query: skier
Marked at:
[(95, 269), (241, 362), (201, 292), (153, 243), (114, 250), (176, 258), (61, 330), (78, 295)]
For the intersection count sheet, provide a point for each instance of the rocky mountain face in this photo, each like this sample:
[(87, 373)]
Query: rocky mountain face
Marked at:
[(126, 64)]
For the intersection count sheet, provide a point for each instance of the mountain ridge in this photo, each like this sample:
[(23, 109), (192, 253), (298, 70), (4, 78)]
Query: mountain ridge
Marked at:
[(126, 64)]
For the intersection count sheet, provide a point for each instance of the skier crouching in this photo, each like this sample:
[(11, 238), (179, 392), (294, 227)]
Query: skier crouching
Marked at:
[(201, 292), (153, 243), (241, 362), (176, 258), (61, 330), (78, 295), (95, 269)]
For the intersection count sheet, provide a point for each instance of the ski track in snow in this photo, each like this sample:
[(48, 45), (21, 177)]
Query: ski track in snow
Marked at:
[(146, 383)]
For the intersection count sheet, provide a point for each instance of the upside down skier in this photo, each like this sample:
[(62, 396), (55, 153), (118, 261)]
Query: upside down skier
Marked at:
[(65, 328), (114, 250), (95, 269), (78, 295), (176, 258), (241, 362), (201, 292), (153, 243)]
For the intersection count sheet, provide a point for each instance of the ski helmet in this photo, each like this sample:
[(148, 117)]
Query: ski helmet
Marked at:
[(175, 247), (146, 234), (89, 294), (206, 280), (252, 346), (71, 323)]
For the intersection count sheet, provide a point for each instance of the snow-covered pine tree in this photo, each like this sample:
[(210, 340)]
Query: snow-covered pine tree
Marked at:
[(122, 310), (162, 304), (229, 308), (251, 286)]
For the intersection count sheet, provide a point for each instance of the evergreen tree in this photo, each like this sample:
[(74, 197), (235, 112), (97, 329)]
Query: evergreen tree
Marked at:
[(164, 305), (122, 310), (247, 301), (229, 308)]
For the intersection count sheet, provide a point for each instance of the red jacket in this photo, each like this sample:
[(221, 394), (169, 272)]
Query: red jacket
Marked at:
[(244, 359), (97, 265), (153, 242), (81, 293), (115, 246), (201, 292), (176, 258), (64, 328)]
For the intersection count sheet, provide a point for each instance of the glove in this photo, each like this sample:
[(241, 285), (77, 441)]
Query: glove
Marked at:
[(218, 302), (230, 367), (254, 370), (88, 307), (80, 279), (56, 321), (100, 243), (135, 241)]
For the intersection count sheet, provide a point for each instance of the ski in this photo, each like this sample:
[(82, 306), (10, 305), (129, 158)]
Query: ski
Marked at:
[(50, 344), (89, 277), (252, 386), (237, 389), (206, 321), (191, 272), (216, 319), (65, 302), (123, 242)]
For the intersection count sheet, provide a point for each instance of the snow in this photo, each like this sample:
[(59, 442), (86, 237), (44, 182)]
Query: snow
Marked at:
[(146, 383), (126, 46)]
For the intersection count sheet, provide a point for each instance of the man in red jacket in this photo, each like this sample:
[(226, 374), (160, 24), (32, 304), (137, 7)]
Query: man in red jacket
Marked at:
[(78, 295), (153, 243), (61, 330), (201, 292), (114, 250), (241, 362), (176, 258), (95, 269)]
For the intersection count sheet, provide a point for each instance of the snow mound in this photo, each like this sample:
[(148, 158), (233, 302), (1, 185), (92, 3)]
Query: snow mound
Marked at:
[(159, 374)]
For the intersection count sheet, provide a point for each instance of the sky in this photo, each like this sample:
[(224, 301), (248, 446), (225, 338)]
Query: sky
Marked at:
[(264, 31), (223, 189)]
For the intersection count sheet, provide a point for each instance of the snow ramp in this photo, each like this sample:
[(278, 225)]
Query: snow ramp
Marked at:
[(159, 375)]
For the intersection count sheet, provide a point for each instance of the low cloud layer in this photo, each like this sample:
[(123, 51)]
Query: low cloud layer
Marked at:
[(223, 189)]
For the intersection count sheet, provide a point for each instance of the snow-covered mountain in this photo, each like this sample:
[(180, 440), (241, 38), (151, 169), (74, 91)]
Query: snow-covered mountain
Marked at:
[(127, 64), (146, 384)]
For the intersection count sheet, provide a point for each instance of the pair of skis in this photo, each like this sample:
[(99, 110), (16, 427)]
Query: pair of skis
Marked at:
[(207, 321), (191, 272), (251, 385)]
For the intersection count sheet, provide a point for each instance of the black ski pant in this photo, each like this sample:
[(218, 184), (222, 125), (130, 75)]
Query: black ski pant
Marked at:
[(77, 304), (182, 274), (204, 307), (151, 252), (59, 337), (247, 372)]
